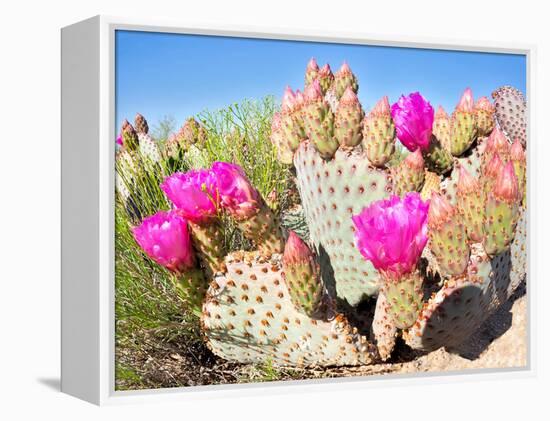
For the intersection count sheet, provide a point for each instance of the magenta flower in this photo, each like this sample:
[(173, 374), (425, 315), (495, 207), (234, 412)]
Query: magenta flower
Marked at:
[(119, 140), (392, 233), (237, 195), (164, 237), (194, 194), (413, 117)]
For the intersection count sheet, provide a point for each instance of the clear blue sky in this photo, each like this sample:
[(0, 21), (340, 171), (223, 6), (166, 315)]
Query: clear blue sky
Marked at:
[(181, 75)]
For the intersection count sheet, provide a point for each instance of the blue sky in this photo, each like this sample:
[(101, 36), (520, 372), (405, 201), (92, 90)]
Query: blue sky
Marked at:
[(181, 75)]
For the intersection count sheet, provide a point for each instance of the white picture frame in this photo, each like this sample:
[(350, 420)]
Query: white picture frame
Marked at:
[(88, 116)]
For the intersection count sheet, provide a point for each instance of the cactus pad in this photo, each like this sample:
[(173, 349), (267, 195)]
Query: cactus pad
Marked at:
[(248, 317), (463, 304), (510, 112), (383, 329), (332, 191)]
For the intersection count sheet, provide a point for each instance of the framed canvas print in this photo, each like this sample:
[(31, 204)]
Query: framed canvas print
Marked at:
[(253, 208)]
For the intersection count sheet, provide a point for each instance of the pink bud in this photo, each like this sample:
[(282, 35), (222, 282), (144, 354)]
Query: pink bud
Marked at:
[(312, 65), (484, 104), (466, 103), (415, 160), (382, 108), (506, 185), (392, 233), (466, 183), (119, 140), (441, 113), (517, 153), (493, 168), (289, 100), (238, 196), (349, 97), (344, 69), (440, 210), (299, 99), (313, 92), (325, 71), (296, 251), (164, 237), (497, 142)]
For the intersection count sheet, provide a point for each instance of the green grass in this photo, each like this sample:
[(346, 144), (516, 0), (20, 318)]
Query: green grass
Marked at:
[(146, 303)]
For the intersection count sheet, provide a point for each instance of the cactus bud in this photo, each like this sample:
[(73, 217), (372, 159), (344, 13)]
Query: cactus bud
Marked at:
[(343, 79), (348, 118), (302, 275), (463, 128), (284, 152), (501, 212), (447, 236), (470, 200), (484, 116), (506, 186), (129, 136), (409, 174), (325, 78), (491, 171), (141, 124), (497, 143), (312, 70), (291, 120), (442, 128), (517, 156), (319, 121), (379, 133)]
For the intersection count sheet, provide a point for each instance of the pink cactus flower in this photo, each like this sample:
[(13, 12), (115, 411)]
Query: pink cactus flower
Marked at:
[(392, 234), (413, 117), (466, 103), (237, 195), (194, 194), (164, 237), (119, 140)]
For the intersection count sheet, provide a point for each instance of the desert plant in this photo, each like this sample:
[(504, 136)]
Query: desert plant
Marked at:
[(370, 225)]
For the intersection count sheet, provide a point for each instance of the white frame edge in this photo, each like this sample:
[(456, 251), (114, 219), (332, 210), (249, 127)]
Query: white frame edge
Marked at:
[(88, 118)]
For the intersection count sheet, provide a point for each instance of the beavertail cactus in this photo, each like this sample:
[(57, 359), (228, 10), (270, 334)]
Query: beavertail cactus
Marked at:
[(344, 79), (448, 241), (319, 120), (409, 174), (511, 113), (377, 260), (164, 237), (379, 134), (463, 124), (195, 196), (348, 118), (302, 275), (392, 234)]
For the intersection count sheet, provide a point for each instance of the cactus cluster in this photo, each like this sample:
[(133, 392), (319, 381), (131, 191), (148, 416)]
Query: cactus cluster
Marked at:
[(433, 243)]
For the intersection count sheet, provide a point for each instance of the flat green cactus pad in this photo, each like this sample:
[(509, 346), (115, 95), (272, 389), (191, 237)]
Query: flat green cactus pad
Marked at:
[(455, 312), (331, 192), (248, 317)]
